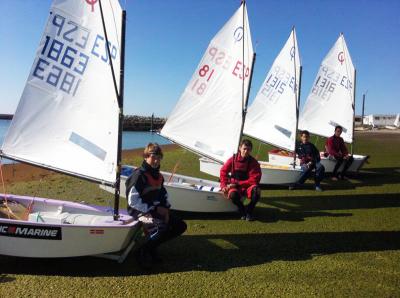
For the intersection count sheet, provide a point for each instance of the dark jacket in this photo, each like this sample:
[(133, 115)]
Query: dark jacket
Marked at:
[(145, 189), (308, 153)]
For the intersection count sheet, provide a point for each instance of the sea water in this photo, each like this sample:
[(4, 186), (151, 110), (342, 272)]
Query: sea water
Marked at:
[(130, 139)]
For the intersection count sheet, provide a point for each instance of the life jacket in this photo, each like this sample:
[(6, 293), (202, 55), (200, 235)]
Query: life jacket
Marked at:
[(153, 186), (240, 168)]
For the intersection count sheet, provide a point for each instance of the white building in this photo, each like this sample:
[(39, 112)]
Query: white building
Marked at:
[(378, 120)]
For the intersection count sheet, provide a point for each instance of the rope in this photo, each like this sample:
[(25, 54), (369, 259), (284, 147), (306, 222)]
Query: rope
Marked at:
[(176, 166), (174, 171), (258, 151), (10, 212)]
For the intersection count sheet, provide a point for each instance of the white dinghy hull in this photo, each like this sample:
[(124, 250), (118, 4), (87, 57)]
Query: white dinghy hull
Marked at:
[(57, 229), (284, 159), (271, 174), (187, 193)]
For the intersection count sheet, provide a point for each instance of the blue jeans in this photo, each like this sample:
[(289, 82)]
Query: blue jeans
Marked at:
[(307, 171)]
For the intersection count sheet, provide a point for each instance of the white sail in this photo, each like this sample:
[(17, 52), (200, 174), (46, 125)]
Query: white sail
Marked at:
[(207, 118), (67, 117), (272, 116), (331, 100)]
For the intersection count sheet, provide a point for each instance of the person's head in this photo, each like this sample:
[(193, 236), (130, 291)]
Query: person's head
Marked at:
[(152, 154), (338, 130), (305, 136), (245, 147)]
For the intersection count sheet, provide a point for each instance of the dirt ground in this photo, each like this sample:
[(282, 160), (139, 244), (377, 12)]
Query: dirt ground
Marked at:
[(22, 172)]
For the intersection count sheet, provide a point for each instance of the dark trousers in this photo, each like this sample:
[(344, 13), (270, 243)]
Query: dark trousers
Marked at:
[(173, 229), (236, 199), (339, 162), (307, 172), (158, 231)]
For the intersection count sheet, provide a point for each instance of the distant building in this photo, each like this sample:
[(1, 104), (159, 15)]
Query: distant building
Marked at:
[(357, 121), (379, 120)]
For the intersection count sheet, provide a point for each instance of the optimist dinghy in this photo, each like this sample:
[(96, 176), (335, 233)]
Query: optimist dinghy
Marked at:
[(69, 120), (187, 193), (208, 117), (272, 118), (331, 102)]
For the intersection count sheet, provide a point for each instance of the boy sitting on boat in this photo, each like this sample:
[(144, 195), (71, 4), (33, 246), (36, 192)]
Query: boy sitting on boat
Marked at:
[(240, 176), (309, 160), (148, 203), (336, 150)]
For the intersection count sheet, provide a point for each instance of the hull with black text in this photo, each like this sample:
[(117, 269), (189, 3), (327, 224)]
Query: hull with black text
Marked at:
[(52, 229)]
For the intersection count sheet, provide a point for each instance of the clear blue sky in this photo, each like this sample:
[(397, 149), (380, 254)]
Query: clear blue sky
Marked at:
[(166, 40)]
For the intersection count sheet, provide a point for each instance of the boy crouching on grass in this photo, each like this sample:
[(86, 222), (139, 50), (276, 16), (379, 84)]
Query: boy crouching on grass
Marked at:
[(148, 203)]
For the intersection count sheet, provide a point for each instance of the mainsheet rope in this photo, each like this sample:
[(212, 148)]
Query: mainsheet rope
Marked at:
[(10, 212), (176, 167)]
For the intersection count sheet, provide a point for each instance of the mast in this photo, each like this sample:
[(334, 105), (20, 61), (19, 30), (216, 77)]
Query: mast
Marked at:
[(244, 111), (297, 116), (362, 113), (353, 104), (245, 99), (354, 109), (151, 123), (296, 94), (120, 97)]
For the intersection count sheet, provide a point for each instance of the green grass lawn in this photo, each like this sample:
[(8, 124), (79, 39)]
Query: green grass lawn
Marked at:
[(344, 241)]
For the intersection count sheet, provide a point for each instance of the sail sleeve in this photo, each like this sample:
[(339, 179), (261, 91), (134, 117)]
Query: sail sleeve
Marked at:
[(208, 116), (272, 116), (67, 117), (331, 99)]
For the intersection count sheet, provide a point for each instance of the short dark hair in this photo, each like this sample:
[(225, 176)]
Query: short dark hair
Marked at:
[(338, 126), (152, 148), (247, 143), (305, 132)]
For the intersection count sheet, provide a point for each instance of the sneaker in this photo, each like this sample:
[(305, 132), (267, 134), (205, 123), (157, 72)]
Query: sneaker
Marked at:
[(243, 217), (249, 217), (334, 178), (318, 188), (292, 187)]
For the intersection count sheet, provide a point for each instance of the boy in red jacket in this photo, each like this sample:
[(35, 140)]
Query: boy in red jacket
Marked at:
[(337, 150), (240, 176)]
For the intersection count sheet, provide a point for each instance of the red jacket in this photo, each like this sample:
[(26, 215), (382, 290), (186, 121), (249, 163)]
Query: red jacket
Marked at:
[(243, 171), (335, 146)]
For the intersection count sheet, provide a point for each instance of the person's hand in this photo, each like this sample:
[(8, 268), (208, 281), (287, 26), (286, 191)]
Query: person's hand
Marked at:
[(163, 212), (346, 157), (232, 185)]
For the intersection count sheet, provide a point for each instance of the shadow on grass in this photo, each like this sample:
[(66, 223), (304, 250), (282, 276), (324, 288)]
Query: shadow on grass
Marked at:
[(367, 177), (215, 253), (266, 215), (4, 278), (339, 202)]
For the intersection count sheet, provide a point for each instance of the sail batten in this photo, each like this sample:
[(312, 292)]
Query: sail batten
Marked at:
[(208, 115), (331, 99), (272, 117), (67, 117)]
